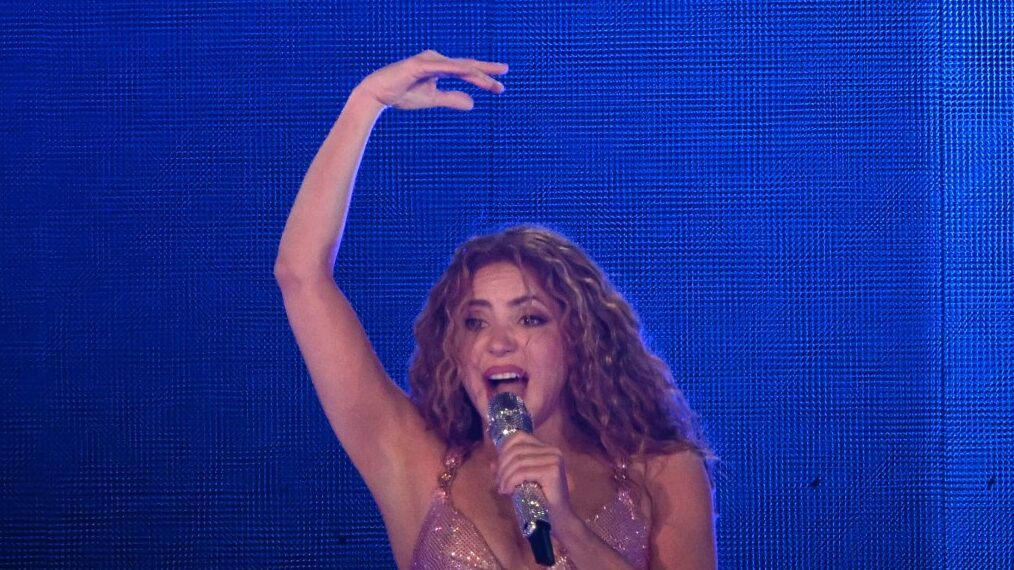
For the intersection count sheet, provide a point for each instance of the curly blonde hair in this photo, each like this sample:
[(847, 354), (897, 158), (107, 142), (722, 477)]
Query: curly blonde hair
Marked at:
[(617, 393)]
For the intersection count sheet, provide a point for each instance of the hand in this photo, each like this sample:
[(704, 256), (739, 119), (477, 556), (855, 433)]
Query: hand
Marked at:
[(412, 83), (525, 458)]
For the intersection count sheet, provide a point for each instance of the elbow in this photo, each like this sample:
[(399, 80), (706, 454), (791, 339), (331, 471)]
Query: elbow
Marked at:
[(291, 275), (288, 275), (285, 276)]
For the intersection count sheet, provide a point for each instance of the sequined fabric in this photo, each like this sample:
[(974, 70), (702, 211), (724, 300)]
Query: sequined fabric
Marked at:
[(449, 540)]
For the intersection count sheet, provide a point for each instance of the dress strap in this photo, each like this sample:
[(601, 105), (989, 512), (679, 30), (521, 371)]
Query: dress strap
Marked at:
[(452, 461), (620, 472)]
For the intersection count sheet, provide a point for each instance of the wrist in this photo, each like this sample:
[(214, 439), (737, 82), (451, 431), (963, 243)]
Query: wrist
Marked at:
[(362, 98), (568, 528)]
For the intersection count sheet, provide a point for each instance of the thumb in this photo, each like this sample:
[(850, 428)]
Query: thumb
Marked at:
[(454, 100)]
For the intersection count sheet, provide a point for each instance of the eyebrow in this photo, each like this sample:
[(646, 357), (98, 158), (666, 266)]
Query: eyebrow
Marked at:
[(512, 303)]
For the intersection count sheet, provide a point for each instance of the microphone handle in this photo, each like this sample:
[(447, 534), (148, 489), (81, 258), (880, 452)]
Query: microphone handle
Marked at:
[(533, 519)]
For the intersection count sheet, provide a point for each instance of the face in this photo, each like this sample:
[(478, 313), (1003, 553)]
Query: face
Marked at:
[(510, 340)]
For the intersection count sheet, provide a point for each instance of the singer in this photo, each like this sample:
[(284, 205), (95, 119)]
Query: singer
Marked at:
[(615, 450)]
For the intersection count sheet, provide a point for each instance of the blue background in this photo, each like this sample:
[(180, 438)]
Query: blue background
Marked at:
[(809, 203)]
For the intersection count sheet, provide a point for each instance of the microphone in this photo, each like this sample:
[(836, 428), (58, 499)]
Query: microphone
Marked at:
[(507, 416)]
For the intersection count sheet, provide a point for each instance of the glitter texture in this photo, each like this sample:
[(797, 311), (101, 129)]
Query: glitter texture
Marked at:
[(449, 540)]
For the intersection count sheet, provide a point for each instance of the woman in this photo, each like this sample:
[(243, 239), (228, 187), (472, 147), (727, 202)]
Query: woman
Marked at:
[(615, 449)]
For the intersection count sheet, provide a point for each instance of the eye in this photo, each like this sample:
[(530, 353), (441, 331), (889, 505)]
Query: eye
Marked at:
[(533, 320), (474, 324)]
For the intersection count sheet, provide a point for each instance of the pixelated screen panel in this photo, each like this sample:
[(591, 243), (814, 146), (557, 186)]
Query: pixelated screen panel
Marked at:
[(807, 203)]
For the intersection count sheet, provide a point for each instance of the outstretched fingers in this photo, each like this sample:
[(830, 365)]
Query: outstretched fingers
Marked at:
[(463, 63), (471, 74), (474, 71), (412, 83)]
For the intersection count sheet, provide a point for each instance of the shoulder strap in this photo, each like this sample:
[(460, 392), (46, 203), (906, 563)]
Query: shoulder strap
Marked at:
[(452, 461), (620, 472)]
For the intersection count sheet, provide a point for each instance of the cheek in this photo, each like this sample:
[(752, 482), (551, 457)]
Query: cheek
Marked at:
[(467, 358), (468, 366), (463, 346), (559, 344), (555, 354)]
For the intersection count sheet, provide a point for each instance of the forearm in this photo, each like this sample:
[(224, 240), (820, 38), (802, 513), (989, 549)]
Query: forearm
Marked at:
[(314, 230), (585, 550), (316, 222)]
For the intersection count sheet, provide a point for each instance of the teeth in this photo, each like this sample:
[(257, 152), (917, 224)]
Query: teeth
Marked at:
[(505, 376)]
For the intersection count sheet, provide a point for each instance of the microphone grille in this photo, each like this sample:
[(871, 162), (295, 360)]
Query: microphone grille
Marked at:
[(507, 415)]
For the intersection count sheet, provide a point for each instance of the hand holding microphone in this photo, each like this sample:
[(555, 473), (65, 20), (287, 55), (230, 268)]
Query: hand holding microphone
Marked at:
[(507, 416)]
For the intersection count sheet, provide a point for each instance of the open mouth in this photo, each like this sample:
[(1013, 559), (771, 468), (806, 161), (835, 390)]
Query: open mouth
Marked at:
[(506, 380)]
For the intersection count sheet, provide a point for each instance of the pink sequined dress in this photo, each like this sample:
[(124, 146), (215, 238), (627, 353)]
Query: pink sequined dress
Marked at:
[(450, 541)]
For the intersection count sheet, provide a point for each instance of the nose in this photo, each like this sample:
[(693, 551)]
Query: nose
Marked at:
[(501, 341)]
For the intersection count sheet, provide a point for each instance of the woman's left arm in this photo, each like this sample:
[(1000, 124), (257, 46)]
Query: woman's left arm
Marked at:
[(683, 522)]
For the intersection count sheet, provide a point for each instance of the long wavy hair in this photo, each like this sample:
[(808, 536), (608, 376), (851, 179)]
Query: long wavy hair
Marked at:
[(618, 394)]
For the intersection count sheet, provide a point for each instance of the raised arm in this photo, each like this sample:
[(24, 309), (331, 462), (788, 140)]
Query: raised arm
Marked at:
[(374, 420)]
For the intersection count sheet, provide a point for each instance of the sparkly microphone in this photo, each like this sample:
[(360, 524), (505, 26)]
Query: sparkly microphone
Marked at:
[(508, 415)]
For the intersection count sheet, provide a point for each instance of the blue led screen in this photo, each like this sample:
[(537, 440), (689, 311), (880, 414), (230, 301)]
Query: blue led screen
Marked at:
[(809, 204)]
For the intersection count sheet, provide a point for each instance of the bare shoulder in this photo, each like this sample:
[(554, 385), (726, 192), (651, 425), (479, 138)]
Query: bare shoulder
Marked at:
[(683, 469), (682, 513)]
